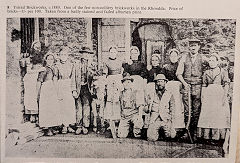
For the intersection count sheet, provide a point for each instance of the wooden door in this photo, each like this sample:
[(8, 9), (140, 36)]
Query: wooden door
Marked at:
[(112, 32)]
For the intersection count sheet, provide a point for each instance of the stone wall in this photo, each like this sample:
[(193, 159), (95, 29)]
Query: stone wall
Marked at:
[(220, 32), (71, 32)]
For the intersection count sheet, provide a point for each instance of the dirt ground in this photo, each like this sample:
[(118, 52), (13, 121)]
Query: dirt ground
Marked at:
[(97, 146)]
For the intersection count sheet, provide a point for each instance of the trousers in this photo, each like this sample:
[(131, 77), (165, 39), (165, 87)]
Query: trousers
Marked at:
[(195, 107), (83, 107), (124, 125), (153, 130)]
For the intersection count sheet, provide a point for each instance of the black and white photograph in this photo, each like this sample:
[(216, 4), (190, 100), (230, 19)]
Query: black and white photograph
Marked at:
[(83, 87)]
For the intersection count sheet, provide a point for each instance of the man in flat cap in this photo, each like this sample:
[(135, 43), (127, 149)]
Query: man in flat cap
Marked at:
[(189, 72), (81, 81)]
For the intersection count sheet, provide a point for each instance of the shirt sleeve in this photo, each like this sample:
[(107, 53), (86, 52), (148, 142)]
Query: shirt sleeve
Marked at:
[(73, 78), (136, 100), (180, 67), (225, 78), (205, 63)]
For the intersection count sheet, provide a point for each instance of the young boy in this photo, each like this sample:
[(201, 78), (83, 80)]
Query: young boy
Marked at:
[(130, 112)]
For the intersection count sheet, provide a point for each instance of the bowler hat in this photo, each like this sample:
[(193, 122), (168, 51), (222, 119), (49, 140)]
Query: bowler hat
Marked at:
[(160, 77)]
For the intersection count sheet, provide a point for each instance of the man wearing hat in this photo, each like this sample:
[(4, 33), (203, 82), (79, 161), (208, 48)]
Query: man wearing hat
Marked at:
[(189, 72), (81, 80), (160, 114), (130, 112)]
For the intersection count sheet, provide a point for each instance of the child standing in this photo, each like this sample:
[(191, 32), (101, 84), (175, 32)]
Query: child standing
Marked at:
[(113, 68), (215, 113)]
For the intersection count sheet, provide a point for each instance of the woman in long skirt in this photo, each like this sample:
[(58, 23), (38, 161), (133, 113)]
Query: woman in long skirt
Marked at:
[(214, 120), (49, 114), (67, 103), (34, 66)]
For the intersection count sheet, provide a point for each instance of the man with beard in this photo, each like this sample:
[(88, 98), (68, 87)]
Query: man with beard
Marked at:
[(163, 113)]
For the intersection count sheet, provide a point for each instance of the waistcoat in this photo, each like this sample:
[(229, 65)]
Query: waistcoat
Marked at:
[(193, 71)]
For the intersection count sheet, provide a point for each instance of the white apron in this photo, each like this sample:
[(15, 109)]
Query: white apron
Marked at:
[(213, 113), (30, 93), (66, 102), (114, 87), (49, 110)]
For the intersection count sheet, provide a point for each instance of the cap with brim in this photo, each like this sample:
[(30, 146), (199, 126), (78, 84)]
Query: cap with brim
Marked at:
[(127, 78), (160, 77)]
